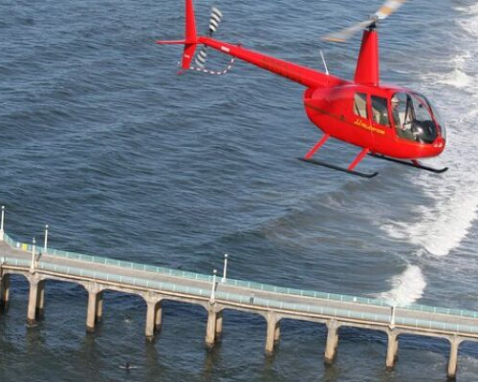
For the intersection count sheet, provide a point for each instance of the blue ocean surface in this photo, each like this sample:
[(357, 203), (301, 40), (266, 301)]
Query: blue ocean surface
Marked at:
[(121, 157)]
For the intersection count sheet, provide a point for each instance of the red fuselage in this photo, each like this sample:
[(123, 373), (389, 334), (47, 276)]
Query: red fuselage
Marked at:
[(331, 109), (329, 101), (358, 112)]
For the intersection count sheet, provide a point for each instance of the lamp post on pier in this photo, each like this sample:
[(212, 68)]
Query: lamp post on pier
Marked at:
[(46, 238), (1, 223), (32, 266), (224, 271), (213, 289)]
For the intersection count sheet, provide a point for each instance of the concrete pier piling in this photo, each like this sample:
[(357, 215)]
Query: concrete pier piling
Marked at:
[(158, 316), (99, 307), (41, 300), (5, 291), (150, 320), (211, 326), (332, 341), (272, 331), (33, 299), (455, 342), (277, 333), (3, 281), (94, 293), (219, 322), (392, 349), (153, 314)]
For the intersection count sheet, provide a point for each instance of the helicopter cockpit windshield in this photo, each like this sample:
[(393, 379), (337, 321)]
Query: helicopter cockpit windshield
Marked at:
[(415, 119)]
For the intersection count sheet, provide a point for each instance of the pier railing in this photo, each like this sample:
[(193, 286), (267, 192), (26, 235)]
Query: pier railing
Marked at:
[(173, 287)]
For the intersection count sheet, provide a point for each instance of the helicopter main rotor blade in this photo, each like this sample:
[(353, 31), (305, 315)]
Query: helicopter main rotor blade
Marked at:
[(389, 7), (345, 34)]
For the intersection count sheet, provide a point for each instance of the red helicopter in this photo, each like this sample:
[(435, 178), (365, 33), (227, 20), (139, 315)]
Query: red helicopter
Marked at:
[(387, 122)]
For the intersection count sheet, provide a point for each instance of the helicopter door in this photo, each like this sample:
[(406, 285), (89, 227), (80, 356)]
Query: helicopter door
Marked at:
[(362, 111), (380, 111)]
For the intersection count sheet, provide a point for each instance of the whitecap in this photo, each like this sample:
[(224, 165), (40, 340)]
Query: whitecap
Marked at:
[(439, 228), (407, 287), (457, 78)]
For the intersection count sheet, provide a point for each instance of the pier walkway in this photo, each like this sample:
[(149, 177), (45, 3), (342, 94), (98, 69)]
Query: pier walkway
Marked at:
[(214, 293)]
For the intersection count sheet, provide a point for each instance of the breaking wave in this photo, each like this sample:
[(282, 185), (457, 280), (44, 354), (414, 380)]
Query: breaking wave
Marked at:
[(406, 287)]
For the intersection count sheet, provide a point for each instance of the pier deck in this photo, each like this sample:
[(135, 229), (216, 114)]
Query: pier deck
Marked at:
[(155, 284)]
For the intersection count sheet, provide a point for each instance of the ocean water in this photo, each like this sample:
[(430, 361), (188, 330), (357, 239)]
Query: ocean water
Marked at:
[(121, 157)]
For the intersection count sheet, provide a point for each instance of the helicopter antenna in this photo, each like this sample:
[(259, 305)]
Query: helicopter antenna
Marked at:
[(323, 60)]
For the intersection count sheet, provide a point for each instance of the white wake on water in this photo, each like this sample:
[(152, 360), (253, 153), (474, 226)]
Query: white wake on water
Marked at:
[(441, 227), (470, 25), (406, 288), (458, 77)]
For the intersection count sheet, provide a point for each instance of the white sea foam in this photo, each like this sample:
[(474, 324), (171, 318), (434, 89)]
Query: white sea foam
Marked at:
[(470, 24), (441, 227), (457, 78), (406, 288)]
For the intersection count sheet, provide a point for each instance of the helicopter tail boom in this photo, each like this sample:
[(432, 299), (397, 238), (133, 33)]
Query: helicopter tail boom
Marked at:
[(303, 75), (294, 72)]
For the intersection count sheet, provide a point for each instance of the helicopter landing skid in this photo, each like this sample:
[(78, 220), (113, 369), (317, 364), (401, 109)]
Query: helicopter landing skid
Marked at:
[(338, 168), (349, 170), (413, 163)]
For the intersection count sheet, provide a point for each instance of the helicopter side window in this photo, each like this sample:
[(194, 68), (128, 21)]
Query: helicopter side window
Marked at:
[(360, 105), (380, 111)]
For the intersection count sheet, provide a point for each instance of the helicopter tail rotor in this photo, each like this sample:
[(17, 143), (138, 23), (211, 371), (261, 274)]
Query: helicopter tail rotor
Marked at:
[(389, 7), (214, 21)]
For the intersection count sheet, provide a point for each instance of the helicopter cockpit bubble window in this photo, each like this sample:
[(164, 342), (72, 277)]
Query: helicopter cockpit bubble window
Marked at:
[(437, 119), (380, 111), (360, 105), (412, 118)]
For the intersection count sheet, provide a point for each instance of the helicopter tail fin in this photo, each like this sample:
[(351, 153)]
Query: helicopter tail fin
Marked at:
[(190, 42)]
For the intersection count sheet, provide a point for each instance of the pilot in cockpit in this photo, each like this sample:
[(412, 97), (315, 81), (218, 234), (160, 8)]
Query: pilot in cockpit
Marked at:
[(403, 130)]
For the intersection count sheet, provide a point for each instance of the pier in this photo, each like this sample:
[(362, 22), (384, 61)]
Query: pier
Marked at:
[(38, 264)]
